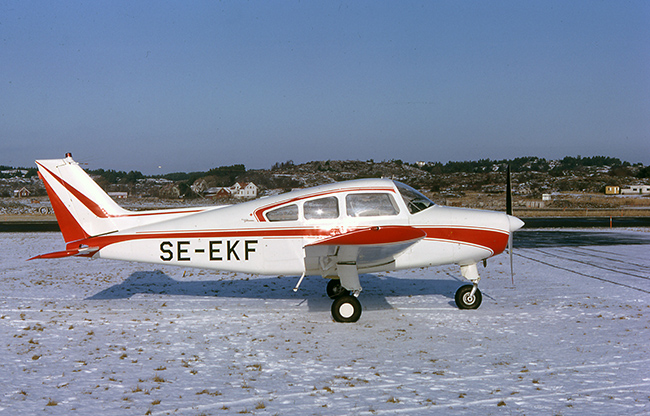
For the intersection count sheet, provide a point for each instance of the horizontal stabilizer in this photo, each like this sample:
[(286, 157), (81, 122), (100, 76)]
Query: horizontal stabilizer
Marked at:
[(82, 252)]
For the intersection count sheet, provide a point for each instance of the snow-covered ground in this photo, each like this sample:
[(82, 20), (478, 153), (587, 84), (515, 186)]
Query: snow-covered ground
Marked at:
[(100, 337)]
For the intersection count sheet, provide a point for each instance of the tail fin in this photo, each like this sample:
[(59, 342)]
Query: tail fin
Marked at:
[(82, 208)]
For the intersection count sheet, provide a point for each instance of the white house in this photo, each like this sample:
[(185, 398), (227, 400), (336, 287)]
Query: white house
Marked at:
[(244, 190), (636, 190), (118, 195)]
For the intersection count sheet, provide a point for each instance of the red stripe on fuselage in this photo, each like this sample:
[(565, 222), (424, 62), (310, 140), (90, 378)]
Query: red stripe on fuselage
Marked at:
[(106, 240), (492, 240), (374, 236)]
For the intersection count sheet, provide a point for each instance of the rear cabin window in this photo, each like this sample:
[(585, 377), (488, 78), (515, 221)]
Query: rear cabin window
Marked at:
[(322, 208), (370, 205), (285, 213)]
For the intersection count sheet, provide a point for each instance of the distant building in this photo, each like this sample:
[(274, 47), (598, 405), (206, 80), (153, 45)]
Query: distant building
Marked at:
[(612, 190), (21, 193), (200, 185), (244, 190), (636, 190), (535, 204), (118, 195), (14, 172), (218, 193), (170, 191)]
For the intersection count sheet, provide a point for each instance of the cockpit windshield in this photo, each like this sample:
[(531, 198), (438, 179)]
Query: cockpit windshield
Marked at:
[(413, 199)]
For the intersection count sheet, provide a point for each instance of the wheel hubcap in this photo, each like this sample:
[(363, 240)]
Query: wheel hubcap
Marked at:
[(346, 310)]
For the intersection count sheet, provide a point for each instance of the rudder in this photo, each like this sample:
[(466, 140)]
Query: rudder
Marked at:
[(81, 207)]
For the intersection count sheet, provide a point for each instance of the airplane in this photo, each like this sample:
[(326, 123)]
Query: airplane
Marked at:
[(337, 231)]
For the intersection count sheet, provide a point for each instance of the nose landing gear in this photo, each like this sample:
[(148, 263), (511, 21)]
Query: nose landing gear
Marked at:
[(468, 297)]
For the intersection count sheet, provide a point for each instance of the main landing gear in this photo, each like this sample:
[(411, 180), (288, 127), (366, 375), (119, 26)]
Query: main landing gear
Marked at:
[(346, 307), (334, 289)]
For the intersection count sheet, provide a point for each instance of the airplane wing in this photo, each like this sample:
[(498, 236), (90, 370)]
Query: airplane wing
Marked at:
[(363, 248)]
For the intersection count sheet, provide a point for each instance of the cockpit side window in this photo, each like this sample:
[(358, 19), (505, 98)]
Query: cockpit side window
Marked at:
[(413, 199), (285, 213), (321, 208), (370, 205)]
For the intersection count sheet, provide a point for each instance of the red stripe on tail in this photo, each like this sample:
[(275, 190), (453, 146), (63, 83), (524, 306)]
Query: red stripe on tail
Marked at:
[(89, 203), (70, 228)]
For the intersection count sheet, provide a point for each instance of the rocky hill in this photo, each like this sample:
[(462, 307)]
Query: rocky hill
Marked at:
[(531, 176), (474, 184)]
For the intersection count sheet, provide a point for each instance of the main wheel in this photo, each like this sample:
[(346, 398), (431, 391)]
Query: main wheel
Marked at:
[(464, 300), (334, 289), (346, 308)]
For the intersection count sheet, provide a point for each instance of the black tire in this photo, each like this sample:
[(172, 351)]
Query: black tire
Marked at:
[(463, 299), (346, 308), (334, 289)]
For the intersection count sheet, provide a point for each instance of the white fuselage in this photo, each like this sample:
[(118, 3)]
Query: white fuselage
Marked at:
[(242, 238)]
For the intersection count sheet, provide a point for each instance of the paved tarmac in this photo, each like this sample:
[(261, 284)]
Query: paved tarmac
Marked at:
[(539, 238)]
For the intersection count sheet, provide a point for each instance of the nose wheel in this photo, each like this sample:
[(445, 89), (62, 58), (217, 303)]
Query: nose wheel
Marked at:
[(468, 297)]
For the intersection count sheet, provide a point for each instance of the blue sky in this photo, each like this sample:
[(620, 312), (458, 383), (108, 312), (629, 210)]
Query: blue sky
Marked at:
[(191, 85)]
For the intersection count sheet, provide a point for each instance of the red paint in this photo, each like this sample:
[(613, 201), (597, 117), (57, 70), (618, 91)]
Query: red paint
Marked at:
[(70, 228), (374, 236), (106, 240), (494, 240), (99, 211), (88, 203)]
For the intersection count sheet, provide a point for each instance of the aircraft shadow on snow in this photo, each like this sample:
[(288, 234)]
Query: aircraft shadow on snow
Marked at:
[(375, 288)]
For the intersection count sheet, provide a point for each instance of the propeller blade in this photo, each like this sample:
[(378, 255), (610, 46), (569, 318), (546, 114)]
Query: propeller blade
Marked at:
[(512, 268), (509, 212), (508, 192)]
